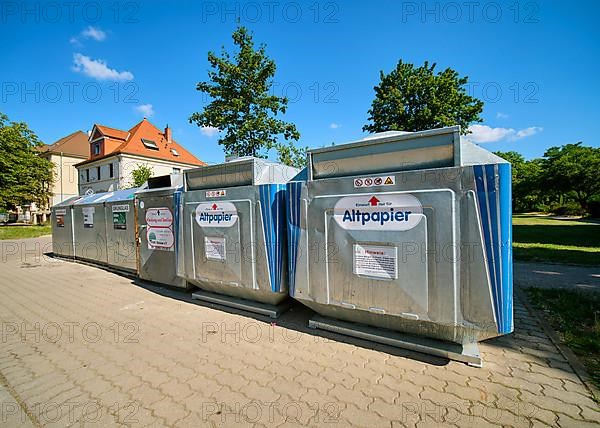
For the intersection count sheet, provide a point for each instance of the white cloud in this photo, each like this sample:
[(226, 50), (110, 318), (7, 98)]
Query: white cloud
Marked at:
[(209, 131), (146, 109), (94, 33), (487, 134), (98, 69), (334, 125), (89, 33), (501, 115), (527, 132)]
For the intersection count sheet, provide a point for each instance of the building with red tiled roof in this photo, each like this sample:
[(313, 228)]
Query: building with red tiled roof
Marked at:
[(114, 154)]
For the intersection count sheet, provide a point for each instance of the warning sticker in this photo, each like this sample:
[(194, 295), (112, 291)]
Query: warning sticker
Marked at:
[(384, 180), (216, 193), (214, 248), (60, 220), (88, 217), (375, 261)]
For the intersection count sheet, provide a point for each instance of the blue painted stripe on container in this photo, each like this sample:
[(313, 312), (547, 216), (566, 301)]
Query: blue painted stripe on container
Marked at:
[(505, 190), (482, 200), (272, 198), (294, 190), (495, 205), (490, 173)]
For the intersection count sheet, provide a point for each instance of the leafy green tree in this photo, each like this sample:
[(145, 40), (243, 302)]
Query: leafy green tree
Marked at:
[(573, 169), (25, 177), (242, 105), (526, 182), (413, 98), (141, 174), (292, 155)]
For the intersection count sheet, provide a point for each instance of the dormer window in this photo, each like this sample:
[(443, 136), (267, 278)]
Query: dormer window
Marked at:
[(149, 144), (174, 152), (96, 149)]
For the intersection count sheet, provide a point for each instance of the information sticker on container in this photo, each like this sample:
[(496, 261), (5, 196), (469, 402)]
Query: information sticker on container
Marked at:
[(159, 217), (375, 261), (88, 217), (214, 248), (160, 238)]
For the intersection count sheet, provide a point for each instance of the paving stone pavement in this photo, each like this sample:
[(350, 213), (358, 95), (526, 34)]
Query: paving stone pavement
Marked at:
[(81, 346)]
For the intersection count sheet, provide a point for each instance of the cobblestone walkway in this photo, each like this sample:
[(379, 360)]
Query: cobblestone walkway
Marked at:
[(85, 347)]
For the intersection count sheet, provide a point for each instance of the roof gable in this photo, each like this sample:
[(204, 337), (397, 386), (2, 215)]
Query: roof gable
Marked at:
[(133, 144), (75, 144)]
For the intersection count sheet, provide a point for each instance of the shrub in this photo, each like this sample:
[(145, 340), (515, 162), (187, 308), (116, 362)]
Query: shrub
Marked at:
[(594, 206), (568, 208)]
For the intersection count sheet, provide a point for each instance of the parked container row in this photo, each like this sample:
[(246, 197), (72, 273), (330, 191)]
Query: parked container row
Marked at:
[(405, 232)]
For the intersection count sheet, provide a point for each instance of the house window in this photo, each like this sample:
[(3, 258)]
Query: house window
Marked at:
[(97, 149), (98, 172), (175, 152), (176, 170), (149, 144), (87, 175), (111, 170)]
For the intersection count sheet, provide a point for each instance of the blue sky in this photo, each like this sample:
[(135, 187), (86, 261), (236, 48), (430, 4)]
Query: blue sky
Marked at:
[(533, 63)]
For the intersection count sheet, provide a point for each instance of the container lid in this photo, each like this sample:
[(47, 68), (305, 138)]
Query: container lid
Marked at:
[(388, 152), (122, 195), (244, 171), (162, 184)]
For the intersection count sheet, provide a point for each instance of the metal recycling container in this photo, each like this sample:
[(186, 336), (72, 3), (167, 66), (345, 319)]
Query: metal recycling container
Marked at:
[(62, 228), (89, 228), (158, 228), (121, 245), (405, 231), (234, 229)]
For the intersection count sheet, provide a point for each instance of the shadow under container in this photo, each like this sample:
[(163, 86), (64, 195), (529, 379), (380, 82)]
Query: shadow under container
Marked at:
[(158, 213), (234, 232), (409, 232)]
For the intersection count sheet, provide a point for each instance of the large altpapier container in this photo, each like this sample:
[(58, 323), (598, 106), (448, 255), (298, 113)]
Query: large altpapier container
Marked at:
[(406, 231), (158, 208), (121, 243), (62, 228), (234, 230)]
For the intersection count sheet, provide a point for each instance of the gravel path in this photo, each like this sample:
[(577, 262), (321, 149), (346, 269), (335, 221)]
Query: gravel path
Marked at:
[(547, 275)]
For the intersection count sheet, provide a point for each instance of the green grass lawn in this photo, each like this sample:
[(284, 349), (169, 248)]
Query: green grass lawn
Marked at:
[(19, 232), (576, 318), (543, 239)]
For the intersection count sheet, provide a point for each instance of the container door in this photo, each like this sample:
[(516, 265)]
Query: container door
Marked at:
[(89, 231), (223, 246), (120, 232), (384, 252), (157, 231)]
